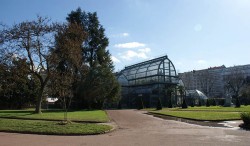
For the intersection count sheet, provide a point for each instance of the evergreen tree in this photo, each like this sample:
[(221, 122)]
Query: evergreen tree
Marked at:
[(94, 47), (100, 85)]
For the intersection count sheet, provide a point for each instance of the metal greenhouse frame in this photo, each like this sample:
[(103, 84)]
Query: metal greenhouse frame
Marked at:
[(147, 81)]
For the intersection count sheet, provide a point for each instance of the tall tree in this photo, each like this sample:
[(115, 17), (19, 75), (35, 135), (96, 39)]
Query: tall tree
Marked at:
[(94, 47), (99, 87), (31, 40), (67, 61), (100, 84)]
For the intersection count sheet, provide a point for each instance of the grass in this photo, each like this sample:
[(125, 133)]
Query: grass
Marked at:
[(26, 121), (83, 115), (51, 127), (216, 109), (213, 113)]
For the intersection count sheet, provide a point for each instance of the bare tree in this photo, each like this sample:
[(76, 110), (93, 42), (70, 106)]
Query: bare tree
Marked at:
[(30, 40), (234, 81), (187, 79), (206, 81)]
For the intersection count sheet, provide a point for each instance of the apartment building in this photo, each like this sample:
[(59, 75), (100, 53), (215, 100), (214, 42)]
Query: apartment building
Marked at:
[(211, 81)]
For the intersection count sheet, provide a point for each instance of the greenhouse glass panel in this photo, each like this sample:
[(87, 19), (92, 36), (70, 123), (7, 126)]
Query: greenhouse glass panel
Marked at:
[(147, 82)]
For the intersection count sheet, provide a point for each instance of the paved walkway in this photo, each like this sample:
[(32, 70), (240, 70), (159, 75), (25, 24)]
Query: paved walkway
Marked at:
[(137, 129)]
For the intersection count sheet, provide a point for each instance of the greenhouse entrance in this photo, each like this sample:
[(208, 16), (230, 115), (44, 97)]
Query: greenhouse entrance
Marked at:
[(147, 82)]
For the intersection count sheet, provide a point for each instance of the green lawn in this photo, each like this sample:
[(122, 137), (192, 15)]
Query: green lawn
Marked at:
[(216, 109), (51, 127), (84, 115), (204, 113), (16, 121)]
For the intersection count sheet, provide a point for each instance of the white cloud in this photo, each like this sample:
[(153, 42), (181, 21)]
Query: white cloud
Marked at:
[(201, 61), (146, 50), (128, 55), (130, 45), (141, 53), (115, 60)]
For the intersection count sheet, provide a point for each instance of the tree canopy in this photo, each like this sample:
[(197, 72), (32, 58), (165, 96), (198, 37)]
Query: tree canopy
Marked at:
[(65, 61)]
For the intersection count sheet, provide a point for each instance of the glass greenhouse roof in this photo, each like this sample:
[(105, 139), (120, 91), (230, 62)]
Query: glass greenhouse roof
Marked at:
[(158, 70), (196, 93)]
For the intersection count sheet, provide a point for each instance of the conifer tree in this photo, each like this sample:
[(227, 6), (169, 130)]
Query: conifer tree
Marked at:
[(100, 85)]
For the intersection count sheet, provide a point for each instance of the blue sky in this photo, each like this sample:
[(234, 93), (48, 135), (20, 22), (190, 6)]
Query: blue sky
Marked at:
[(195, 34)]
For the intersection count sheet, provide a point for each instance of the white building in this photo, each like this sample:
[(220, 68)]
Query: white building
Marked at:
[(211, 81)]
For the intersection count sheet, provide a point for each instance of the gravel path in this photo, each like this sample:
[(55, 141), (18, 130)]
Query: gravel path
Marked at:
[(137, 129)]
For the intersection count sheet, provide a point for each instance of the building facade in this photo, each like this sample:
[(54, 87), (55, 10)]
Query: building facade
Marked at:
[(211, 81)]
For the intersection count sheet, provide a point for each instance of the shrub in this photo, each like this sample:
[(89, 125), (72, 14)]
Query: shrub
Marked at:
[(213, 102), (237, 103), (159, 106), (246, 118), (207, 103), (184, 104), (220, 101)]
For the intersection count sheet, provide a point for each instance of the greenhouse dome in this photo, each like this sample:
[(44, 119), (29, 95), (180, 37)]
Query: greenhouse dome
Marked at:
[(195, 94), (147, 81)]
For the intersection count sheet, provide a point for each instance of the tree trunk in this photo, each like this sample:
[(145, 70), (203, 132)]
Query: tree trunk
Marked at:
[(39, 105), (39, 101)]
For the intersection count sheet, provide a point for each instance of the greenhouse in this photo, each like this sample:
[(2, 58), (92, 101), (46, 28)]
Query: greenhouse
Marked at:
[(147, 82), (195, 97)]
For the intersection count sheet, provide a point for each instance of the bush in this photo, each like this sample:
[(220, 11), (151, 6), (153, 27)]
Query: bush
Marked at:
[(207, 103), (159, 105), (246, 118), (237, 103), (220, 101), (184, 104), (189, 101), (213, 102)]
